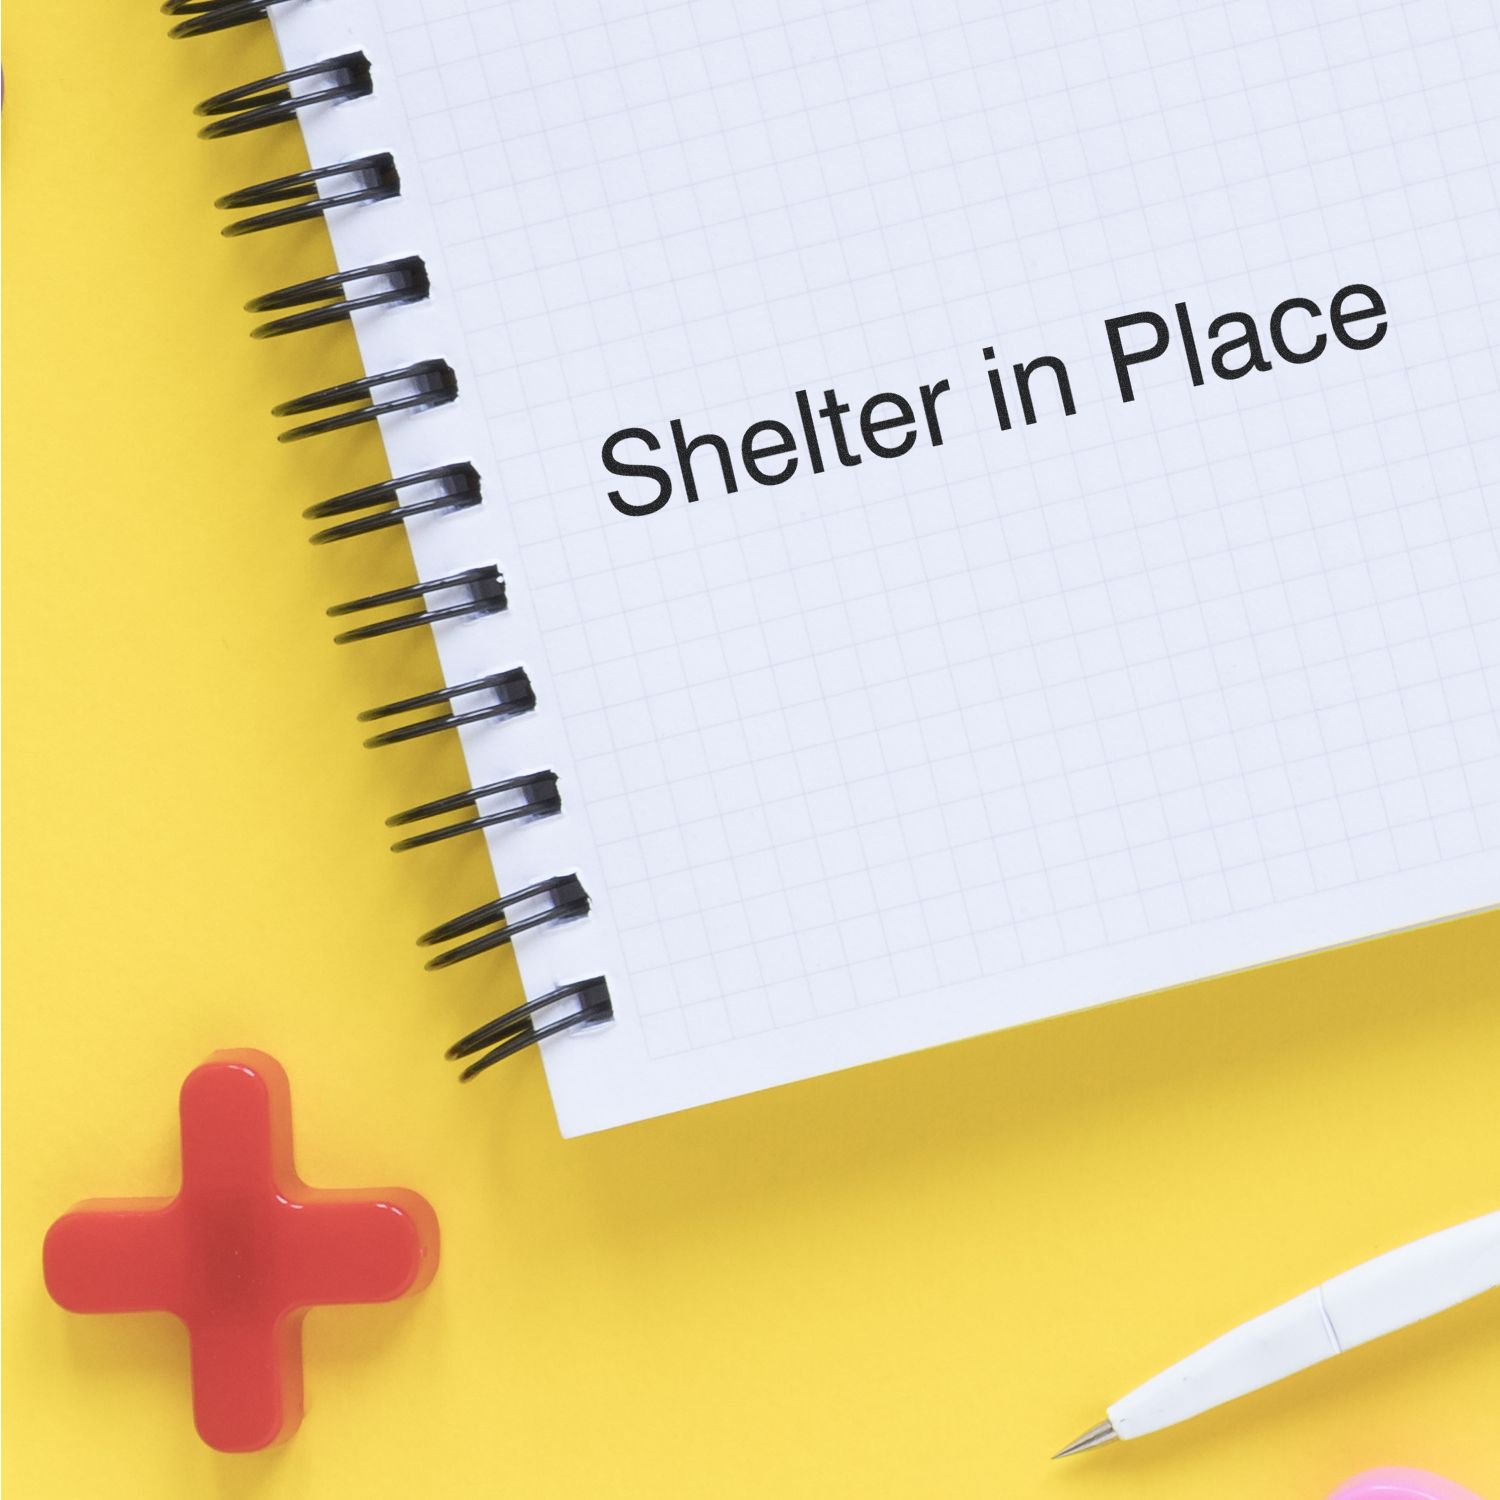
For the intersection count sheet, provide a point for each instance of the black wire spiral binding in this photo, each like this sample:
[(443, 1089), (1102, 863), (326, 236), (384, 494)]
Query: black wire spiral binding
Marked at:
[(515, 1030), (204, 16), (561, 898), (512, 694), (456, 485), (534, 796), (272, 100), (428, 383), (481, 591), (299, 198), (326, 298), (375, 179)]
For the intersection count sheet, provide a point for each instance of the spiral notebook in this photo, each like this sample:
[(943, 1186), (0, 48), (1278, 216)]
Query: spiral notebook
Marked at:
[(934, 514)]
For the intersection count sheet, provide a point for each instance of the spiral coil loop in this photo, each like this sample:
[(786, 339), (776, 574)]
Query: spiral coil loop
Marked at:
[(456, 487), (481, 591), (300, 197), (204, 16), (272, 100), (374, 179), (516, 1029), (431, 383), (326, 300), (534, 796), (510, 693), (561, 898)]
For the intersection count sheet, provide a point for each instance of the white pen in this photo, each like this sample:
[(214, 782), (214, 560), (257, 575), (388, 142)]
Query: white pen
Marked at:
[(1390, 1292)]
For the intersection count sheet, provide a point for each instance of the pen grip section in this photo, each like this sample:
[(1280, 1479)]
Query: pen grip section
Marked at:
[(1279, 1343)]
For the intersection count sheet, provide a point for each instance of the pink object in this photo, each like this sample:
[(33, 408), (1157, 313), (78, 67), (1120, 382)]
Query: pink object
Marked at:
[(242, 1251), (1401, 1484)]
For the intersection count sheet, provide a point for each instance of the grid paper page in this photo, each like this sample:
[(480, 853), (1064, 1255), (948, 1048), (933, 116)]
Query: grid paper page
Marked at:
[(1021, 720)]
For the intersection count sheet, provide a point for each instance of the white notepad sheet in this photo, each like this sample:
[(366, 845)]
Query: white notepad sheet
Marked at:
[(897, 753)]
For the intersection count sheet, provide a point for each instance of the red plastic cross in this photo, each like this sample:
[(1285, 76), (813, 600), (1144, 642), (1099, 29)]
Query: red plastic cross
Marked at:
[(242, 1251)]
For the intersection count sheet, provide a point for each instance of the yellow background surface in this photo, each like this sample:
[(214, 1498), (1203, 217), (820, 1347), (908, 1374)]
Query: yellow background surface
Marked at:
[(917, 1279)]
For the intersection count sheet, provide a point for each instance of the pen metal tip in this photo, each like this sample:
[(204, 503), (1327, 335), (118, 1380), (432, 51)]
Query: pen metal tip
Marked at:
[(1095, 1437)]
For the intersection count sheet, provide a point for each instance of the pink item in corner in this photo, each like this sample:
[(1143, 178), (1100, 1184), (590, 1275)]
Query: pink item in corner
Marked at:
[(1401, 1484)]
